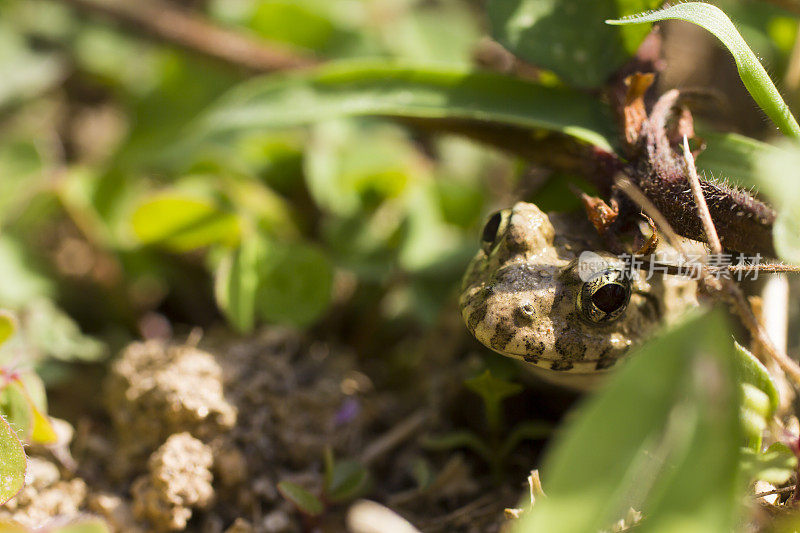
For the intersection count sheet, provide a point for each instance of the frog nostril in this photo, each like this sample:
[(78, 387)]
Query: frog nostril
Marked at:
[(523, 314)]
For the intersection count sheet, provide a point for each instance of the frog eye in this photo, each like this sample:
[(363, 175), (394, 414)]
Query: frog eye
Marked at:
[(493, 229), (604, 297)]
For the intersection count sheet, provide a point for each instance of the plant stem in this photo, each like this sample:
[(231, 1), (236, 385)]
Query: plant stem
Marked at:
[(191, 32)]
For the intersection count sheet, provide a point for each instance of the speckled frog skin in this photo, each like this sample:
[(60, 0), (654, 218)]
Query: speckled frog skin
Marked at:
[(520, 296)]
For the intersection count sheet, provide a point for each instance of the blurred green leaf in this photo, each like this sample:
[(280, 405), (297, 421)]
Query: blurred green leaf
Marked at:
[(12, 462), (16, 264), (348, 480), (8, 325), (236, 283), (459, 439), (351, 89), (420, 36), (182, 223), (528, 430), (352, 167), (753, 75), (492, 389), (662, 437), (301, 498), (296, 284), (568, 36), (25, 73), (53, 332), (732, 157), (329, 27), (779, 177), (776, 465)]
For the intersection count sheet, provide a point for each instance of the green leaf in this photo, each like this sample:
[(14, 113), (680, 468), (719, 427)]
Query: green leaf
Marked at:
[(236, 282), (753, 371), (8, 325), (459, 439), (23, 404), (12, 462), (53, 332), (357, 89), (753, 75), (732, 157), (568, 36), (529, 430), (348, 480), (296, 284), (25, 73), (492, 389), (779, 177), (776, 465), (182, 223), (662, 437), (351, 167), (301, 498)]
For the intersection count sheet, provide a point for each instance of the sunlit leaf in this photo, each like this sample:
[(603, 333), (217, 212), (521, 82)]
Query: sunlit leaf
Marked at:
[(42, 430), (753, 371), (661, 437), (12, 462), (8, 325), (181, 223), (568, 36), (752, 73), (776, 465), (351, 89), (236, 283), (23, 403)]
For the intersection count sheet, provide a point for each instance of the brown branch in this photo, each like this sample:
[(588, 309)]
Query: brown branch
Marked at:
[(743, 223), (194, 33)]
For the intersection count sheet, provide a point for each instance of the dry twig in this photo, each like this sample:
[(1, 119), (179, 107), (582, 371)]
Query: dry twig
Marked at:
[(700, 200)]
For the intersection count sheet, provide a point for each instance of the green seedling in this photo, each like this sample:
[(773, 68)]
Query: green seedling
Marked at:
[(343, 481), (496, 446)]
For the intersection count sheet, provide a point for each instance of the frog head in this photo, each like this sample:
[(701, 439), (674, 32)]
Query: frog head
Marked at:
[(530, 293)]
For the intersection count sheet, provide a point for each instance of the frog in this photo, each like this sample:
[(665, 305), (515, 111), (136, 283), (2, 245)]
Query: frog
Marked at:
[(527, 294)]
